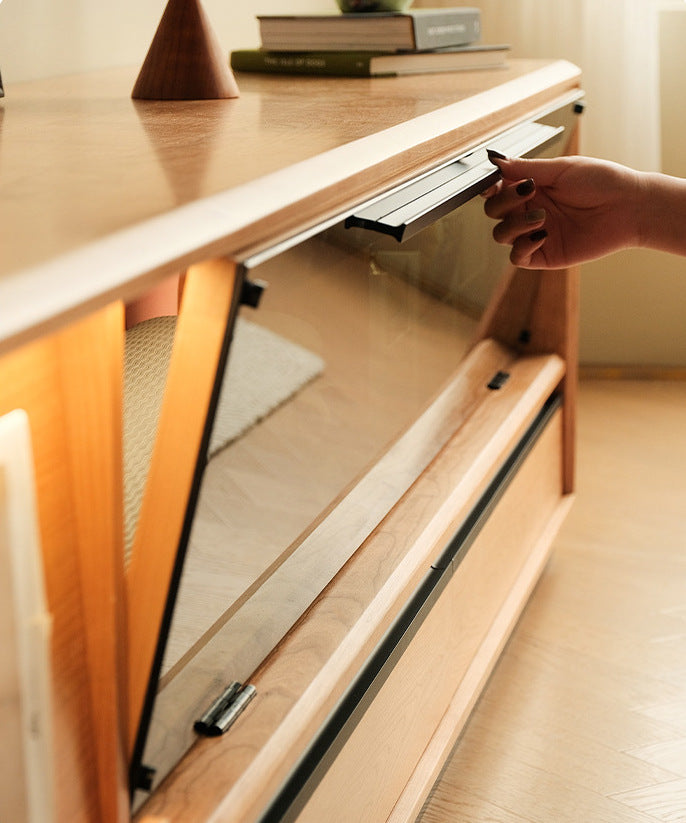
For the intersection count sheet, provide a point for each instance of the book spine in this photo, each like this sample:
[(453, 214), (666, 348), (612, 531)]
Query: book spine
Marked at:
[(440, 31), (321, 63)]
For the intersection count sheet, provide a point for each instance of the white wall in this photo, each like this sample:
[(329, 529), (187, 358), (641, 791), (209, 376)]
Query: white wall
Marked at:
[(40, 38), (633, 304)]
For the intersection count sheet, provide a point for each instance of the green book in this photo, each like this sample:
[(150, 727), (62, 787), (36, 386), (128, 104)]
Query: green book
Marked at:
[(369, 64)]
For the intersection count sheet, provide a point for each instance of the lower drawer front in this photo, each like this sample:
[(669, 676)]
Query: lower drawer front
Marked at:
[(451, 654)]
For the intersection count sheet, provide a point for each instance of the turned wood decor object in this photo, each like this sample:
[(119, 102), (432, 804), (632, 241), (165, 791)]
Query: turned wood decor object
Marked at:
[(185, 60)]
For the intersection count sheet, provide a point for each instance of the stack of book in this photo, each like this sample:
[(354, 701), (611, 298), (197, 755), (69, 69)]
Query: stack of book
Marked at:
[(371, 44)]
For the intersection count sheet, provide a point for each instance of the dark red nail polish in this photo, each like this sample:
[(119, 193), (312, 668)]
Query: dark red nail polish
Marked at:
[(495, 155), (541, 234), (525, 188)]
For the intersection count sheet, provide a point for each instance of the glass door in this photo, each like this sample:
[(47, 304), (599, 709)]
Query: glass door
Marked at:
[(340, 389)]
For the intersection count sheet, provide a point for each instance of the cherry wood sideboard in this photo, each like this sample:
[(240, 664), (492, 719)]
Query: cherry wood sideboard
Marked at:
[(102, 200)]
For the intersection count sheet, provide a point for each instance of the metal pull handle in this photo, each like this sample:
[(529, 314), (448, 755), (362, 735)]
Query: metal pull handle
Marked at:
[(412, 207)]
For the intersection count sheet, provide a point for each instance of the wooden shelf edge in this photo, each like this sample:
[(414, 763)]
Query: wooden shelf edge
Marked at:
[(271, 208)]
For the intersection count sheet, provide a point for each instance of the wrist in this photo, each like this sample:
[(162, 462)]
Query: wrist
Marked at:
[(661, 212), (640, 221)]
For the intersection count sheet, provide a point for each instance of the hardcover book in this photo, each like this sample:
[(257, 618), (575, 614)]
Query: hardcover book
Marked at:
[(368, 63), (414, 30)]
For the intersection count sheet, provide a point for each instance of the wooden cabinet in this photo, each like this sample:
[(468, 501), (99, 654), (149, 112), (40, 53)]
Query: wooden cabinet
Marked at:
[(402, 579)]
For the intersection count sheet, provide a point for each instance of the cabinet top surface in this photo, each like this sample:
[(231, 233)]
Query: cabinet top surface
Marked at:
[(101, 194)]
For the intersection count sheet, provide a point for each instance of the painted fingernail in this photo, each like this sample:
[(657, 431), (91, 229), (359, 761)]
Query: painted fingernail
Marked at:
[(535, 216), (525, 188), (495, 155), (541, 234)]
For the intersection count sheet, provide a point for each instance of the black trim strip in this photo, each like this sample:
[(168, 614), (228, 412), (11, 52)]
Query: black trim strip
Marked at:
[(315, 761)]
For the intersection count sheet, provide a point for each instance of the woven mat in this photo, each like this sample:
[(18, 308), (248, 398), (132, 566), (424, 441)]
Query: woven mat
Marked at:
[(264, 371)]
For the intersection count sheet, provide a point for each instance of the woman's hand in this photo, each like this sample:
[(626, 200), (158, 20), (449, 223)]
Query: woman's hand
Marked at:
[(560, 212)]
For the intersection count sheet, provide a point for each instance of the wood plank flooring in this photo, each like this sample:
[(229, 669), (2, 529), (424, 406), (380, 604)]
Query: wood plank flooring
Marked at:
[(584, 718)]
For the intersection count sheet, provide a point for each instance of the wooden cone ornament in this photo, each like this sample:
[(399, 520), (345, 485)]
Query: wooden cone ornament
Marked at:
[(185, 60)]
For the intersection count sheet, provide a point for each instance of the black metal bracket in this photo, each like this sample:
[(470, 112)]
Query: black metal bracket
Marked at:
[(251, 292), (498, 380), (143, 779)]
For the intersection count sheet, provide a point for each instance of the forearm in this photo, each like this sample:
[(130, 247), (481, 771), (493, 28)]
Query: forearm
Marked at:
[(662, 213)]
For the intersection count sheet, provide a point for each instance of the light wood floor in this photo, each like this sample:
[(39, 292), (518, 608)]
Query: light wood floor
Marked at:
[(584, 719)]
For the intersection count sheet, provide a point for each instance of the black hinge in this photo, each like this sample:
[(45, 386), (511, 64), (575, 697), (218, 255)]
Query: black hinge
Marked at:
[(224, 711), (144, 778), (498, 380), (251, 292)]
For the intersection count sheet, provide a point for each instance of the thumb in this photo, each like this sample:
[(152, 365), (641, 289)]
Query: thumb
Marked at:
[(544, 172)]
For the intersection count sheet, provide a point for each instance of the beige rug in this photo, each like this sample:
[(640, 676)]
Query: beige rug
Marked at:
[(264, 371)]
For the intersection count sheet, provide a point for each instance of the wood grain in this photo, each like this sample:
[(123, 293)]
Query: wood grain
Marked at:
[(209, 295), (378, 760), (471, 687), (544, 306), (67, 385), (91, 364), (538, 311), (184, 182), (185, 60)]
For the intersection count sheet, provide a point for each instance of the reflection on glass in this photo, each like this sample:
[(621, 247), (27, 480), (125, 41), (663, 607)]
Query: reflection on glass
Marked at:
[(316, 439)]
